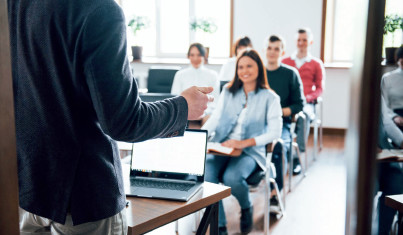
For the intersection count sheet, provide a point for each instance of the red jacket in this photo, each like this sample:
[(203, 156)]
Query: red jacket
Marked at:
[(312, 75)]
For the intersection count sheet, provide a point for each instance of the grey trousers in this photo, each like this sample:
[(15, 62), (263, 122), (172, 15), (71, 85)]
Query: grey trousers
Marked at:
[(34, 224)]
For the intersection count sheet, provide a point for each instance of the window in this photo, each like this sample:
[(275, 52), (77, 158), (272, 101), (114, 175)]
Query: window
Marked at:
[(169, 33), (393, 7), (339, 32)]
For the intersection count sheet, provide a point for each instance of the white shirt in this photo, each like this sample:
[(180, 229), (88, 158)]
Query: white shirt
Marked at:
[(227, 72), (201, 77), (299, 62), (237, 131), (392, 90)]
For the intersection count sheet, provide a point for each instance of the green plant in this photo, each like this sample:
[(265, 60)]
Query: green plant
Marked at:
[(204, 25), (392, 23), (137, 23)]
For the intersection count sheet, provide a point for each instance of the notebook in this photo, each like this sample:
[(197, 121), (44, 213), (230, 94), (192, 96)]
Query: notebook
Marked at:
[(169, 168)]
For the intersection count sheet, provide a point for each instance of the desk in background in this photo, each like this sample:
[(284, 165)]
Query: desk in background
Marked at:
[(396, 202)]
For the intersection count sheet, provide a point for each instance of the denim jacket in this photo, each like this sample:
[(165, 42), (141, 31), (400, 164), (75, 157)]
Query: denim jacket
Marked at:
[(263, 120)]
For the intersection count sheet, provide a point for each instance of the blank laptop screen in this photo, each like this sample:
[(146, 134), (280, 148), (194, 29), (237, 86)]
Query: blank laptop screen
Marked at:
[(185, 154)]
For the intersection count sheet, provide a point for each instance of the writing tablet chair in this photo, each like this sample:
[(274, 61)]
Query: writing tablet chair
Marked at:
[(298, 118), (317, 127), (160, 78), (267, 177)]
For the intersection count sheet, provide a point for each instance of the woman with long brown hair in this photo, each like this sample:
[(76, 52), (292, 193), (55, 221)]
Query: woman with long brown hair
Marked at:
[(247, 117)]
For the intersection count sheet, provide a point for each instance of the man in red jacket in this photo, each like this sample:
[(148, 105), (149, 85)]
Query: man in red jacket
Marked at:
[(312, 75)]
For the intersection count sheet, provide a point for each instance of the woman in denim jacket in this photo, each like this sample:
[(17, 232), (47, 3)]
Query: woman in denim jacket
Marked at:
[(247, 117)]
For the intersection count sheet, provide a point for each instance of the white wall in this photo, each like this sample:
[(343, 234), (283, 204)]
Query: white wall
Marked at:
[(258, 19)]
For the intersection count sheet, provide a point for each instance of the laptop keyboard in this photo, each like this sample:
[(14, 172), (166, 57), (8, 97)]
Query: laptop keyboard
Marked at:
[(161, 184)]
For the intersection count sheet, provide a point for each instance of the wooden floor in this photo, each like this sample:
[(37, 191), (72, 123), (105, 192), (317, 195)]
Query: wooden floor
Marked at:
[(316, 204)]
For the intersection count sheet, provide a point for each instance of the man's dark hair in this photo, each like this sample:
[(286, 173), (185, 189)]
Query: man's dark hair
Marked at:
[(199, 47), (399, 53), (307, 31), (275, 38), (261, 81), (242, 42)]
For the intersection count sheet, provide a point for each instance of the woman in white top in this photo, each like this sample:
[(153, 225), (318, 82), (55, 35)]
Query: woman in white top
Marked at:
[(197, 75), (227, 72)]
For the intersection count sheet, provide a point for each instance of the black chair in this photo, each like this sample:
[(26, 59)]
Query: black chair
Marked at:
[(160, 78), (222, 83)]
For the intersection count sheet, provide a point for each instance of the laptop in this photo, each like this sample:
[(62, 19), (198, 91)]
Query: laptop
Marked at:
[(169, 168)]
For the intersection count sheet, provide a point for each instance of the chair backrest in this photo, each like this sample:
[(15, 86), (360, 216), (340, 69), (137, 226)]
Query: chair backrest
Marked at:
[(222, 83), (256, 176), (160, 78), (153, 97)]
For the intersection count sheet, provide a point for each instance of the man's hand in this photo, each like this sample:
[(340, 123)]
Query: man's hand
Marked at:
[(286, 111), (239, 144), (197, 100), (398, 120)]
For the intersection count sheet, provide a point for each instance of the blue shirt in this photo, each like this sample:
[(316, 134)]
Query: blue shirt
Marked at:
[(263, 119)]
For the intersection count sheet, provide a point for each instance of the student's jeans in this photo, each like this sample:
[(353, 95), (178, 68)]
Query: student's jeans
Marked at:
[(34, 224), (277, 158), (390, 176), (233, 172)]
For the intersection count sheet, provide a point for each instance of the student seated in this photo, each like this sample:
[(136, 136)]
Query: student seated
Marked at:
[(197, 75), (312, 75), (390, 174), (285, 81), (247, 117), (392, 91), (227, 71)]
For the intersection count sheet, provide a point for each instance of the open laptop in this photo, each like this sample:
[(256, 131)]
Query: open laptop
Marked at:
[(169, 168)]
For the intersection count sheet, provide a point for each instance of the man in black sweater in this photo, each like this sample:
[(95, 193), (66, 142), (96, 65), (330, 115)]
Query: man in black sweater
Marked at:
[(285, 81), (74, 95)]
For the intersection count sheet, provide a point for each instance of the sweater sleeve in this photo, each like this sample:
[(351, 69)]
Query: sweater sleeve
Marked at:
[(392, 131), (274, 123), (385, 93), (319, 81), (112, 89), (297, 98)]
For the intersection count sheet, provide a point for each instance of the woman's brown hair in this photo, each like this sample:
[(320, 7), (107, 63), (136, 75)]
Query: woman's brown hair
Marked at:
[(261, 81)]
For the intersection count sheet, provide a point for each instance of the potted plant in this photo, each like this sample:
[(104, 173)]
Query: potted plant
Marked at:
[(392, 23), (136, 24), (206, 27)]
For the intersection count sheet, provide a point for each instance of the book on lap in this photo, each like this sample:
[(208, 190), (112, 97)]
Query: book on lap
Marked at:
[(395, 155), (217, 149)]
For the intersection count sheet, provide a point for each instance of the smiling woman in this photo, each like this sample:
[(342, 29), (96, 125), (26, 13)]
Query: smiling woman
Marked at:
[(247, 117)]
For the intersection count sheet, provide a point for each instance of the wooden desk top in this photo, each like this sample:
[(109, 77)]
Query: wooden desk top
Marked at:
[(145, 214), (395, 201)]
